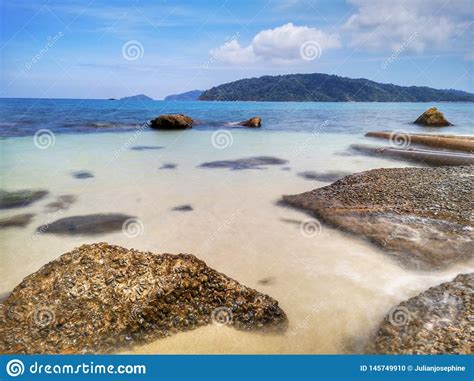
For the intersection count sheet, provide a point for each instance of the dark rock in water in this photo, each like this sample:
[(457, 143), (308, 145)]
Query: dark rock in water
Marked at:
[(329, 177), (437, 321), (90, 224), (246, 163), (183, 208), (63, 202), (422, 216), (19, 199), (286, 168), (100, 298), (145, 148), (82, 174), (169, 166), (18, 221), (252, 122), (267, 281), (172, 122), (433, 118)]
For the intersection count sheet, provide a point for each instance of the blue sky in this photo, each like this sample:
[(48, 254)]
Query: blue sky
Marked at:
[(103, 49)]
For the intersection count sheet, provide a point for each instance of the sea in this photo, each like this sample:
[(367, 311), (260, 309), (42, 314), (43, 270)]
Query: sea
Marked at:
[(335, 288)]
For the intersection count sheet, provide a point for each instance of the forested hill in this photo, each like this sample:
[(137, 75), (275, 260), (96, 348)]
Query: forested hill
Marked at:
[(326, 88)]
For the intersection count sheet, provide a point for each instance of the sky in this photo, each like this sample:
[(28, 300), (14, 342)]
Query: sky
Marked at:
[(110, 49)]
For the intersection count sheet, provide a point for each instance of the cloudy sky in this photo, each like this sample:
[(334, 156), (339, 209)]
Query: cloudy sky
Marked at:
[(102, 49)]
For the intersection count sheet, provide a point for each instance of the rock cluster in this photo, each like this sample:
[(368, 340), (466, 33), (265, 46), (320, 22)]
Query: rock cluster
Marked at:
[(433, 118), (172, 122), (99, 298)]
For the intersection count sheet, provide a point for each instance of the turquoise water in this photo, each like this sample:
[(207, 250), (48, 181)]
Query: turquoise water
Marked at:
[(20, 117), (334, 287)]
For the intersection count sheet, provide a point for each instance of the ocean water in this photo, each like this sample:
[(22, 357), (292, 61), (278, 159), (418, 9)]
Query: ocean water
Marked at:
[(334, 287)]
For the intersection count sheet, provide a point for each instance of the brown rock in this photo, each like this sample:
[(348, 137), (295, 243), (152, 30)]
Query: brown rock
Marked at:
[(421, 216), (432, 117), (437, 321), (252, 122), (172, 122), (99, 298)]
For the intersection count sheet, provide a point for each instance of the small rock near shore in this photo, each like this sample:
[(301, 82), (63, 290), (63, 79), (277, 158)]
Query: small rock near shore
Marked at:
[(172, 122), (252, 122), (433, 118)]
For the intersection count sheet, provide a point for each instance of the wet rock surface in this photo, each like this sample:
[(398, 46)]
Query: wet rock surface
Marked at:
[(437, 321), (99, 298), (21, 198), (18, 221), (82, 175), (433, 118), (323, 176), (169, 166), (257, 162), (172, 122), (90, 224), (252, 122), (421, 216)]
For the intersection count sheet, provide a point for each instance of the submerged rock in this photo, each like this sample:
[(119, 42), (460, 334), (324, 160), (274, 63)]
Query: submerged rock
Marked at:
[(432, 117), (21, 198), (252, 122), (255, 162), (83, 175), (169, 166), (63, 202), (422, 216), (437, 321), (90, 224), (18, 221), (323, 176), (99, 298), (172, 122), (145, 148), (183, 208)]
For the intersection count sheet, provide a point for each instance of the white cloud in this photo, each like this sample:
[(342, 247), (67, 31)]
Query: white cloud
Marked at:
[(425, 24), (281, 44)]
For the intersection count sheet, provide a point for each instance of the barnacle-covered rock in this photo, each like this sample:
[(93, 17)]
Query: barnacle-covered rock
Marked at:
[(99, 298)]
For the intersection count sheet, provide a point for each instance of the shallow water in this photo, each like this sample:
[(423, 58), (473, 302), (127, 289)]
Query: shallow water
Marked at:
[(334, 287)]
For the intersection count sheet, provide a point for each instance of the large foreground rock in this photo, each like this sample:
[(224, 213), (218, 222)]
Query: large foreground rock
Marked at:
[(433, 118), (98, 298), (422, 216), (172, 122), (437, 321)]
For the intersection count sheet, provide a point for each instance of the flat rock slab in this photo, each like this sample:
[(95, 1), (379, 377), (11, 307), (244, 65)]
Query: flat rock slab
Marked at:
[(437, 321), (100, 298), (145, 148), (21, 198), (422, 216), (82, 175), (183, 208), (256, 162), (90, 224)]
